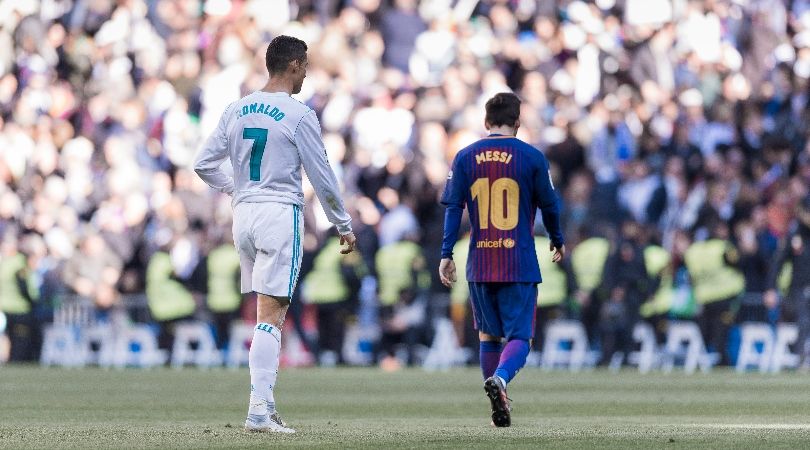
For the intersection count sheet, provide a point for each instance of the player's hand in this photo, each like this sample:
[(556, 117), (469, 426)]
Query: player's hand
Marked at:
[(559, 252), (347, 241), (447, 272)]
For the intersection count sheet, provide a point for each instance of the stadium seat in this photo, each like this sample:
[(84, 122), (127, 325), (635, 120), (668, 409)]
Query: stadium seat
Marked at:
[(646, 358), (186, 335), (60, 347), (694, 355), (786, 334), (137, 346), (445, 352), (566, 344), (753, 335), (97, 345), (239, 345)]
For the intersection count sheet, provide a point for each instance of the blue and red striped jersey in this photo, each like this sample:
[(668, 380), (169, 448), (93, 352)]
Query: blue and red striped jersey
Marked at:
[(502, 181)]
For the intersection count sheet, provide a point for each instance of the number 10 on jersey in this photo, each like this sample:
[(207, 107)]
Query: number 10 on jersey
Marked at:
[(491, 204), (259, 137)]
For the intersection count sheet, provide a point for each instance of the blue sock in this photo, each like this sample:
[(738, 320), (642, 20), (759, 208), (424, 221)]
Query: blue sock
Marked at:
[(513, 357), (490, 354)]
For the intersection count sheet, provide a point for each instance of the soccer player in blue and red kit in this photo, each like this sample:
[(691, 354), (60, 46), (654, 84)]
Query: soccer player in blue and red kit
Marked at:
[(502, 181)]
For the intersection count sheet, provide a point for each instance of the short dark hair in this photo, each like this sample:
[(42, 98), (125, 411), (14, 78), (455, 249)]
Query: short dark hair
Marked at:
[(503, 109), (282, 51)]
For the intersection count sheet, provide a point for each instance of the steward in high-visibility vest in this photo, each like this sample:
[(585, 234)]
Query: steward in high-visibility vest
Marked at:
[(17, 295), (588, 260), (716, 285), (402, 279), (460, 292), (657, 260), (332, 285), (400, 269), (168, 299), (713, 278), (552, 293), (223, 296), (13, 301)]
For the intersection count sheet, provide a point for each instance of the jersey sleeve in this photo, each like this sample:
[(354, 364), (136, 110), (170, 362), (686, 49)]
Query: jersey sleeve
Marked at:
[(546, 199), (213, 154), (454, 198), (455, 191), (316, 165)]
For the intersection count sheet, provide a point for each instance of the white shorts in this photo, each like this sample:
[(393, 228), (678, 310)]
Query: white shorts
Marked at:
[(268, 238)]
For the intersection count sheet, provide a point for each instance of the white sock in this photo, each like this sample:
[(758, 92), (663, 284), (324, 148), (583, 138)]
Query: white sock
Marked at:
[(263, 360)]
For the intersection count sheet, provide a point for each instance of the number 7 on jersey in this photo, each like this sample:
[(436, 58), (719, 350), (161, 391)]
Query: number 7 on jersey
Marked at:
[(259, 137)]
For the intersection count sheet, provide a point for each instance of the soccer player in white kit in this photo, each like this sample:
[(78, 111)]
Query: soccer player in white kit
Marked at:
[(269, 137)]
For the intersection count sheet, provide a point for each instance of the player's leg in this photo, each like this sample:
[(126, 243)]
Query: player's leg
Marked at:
[(485, 317), (483, 298), (264, 360), (490, 348), (273, 277), (517, 304)]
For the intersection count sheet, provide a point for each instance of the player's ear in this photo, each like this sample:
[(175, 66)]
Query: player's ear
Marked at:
[(517, 125), (487, 124)]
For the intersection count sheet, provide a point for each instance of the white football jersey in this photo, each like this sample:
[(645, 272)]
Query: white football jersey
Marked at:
[(269, 137)]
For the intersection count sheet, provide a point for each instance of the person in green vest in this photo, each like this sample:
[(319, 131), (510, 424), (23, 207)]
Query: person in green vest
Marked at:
[(332, 285), (16, 300), (717, 285), (223, 298), (460, 292), (402, 281), (168, 299), (552, 294), (627, 285), (587, 273), (672, 296)]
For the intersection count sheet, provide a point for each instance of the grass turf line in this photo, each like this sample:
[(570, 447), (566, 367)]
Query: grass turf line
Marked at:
[(358, 407)]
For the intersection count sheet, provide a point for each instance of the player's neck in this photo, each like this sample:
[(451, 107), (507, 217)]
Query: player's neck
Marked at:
[(503, 130), (279, 84)]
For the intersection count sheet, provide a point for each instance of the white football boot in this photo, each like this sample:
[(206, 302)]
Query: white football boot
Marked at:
[(267, 423)]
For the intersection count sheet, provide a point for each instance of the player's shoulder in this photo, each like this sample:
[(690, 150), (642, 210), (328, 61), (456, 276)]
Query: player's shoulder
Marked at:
[(532, 152)]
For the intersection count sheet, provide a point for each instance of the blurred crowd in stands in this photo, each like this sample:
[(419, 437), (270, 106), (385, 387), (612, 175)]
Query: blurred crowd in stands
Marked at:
[(677, 133)]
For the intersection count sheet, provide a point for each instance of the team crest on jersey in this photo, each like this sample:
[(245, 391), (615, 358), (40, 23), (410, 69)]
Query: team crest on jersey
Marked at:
[(508, 243)]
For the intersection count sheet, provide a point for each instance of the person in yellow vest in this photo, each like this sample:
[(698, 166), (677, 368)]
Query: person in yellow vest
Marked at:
[(403, 308), (552, 294), (168, 299), (754, 263), (627, 285), (460, 292), (16, 300), (657, 263), (672, 297), (332, 285), (717, 285), (223, 298), (587, 273)]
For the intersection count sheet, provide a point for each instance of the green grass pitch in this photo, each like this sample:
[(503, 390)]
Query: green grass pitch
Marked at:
[(351, 408)]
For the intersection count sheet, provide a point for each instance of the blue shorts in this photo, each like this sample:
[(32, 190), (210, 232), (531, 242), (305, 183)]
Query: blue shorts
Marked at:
[(504, 309)]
